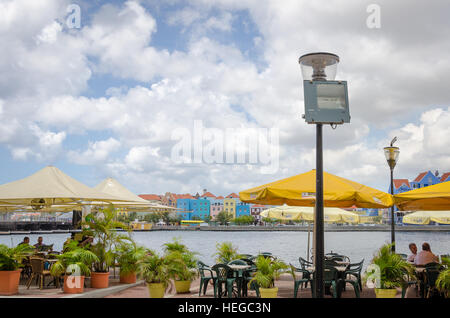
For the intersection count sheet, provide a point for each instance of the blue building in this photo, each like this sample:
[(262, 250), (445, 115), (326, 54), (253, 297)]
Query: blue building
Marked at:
[(186, 207), (242, 209), (425, 179), (201, 208)]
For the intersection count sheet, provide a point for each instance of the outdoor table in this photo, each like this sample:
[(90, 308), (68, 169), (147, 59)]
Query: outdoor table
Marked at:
[(341, 270), (239, 270)]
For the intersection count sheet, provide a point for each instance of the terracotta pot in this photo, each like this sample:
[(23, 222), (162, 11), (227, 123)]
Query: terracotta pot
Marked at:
[(9, 282), (99, 280), (73, 284), (385, 293), (156, 290), (129, 278), (182, 286), (268, 292)]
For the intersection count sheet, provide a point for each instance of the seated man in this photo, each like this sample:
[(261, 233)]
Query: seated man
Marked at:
[(425, 256), (26, 240), (40, 246), (413, 249)]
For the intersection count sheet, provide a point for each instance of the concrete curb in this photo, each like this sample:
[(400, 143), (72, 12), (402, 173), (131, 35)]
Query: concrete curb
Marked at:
[(103, 292)]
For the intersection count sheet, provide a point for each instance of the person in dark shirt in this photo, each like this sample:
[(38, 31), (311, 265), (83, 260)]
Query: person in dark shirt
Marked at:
[(26, 240)]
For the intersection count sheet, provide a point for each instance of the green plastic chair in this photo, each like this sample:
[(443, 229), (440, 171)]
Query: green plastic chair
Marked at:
[(355, 270), (304, 264), (431, 275), (304, 280), (224, 276), (409, 282), (206, 275), (330, 278)]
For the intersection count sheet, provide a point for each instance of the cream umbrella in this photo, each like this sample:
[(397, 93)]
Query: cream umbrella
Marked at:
[(299, 213), (304, 213), (131, 201), (425, 217), (50, 186)]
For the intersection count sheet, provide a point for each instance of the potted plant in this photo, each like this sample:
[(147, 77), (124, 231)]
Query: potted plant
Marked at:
[(443, 280), (226, 252), (10, 267), (102, 226), (388, 271), (128, 254), (74, 264), (267, 271), (153, 269), (181, 264)]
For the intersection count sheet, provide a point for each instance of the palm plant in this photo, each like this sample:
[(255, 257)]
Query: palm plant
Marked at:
[(153, 269), (128, 255), (11, 257), (76, 260), (443, 282), (102, 227), (268, 270), (226, 252), (393, 270), (181, 261)]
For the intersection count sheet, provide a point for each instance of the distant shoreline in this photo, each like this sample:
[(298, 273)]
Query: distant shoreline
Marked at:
[(377, 228)]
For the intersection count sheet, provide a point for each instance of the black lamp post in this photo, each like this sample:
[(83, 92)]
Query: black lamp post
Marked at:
[(392, 154), (326, 102)]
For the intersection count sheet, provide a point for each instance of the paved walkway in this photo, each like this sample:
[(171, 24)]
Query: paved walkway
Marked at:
[(285, 290)]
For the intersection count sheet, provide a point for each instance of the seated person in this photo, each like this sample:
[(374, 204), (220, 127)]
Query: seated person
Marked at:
[(425, 256), (413, 249), (41, 246), (26, 240)]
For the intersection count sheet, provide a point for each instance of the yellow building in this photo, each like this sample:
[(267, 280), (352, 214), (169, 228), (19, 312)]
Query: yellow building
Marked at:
[(229, 206)]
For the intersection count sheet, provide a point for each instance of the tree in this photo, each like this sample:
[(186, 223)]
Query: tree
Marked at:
[(224, 218), (243, 220)]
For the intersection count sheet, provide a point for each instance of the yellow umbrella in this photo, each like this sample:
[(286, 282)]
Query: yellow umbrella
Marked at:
[(332, 215), (434, 197), (425, 217), (300, 190)]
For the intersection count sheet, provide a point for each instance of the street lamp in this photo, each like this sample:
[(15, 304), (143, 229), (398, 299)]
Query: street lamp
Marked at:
[(326, 102), (392, 154)]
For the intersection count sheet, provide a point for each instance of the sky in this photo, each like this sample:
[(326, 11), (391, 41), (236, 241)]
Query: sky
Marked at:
[(118, 88)]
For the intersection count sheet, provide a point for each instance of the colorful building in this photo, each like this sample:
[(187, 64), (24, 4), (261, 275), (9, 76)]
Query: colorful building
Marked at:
[(200, 208), (229, 206), (216, 206), (425, 179), (242, 209)]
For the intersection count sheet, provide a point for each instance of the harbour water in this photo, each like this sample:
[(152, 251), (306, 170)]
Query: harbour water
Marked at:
[(287, 246)]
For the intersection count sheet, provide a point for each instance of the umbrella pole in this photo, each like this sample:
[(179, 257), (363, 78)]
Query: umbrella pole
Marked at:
[(307, 251)]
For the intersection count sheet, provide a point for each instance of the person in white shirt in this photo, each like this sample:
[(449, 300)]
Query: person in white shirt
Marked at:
[(425, 256), (413, 249)]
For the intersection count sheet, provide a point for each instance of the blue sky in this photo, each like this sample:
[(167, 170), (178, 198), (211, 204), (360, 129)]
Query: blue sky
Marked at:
[(106, 99)]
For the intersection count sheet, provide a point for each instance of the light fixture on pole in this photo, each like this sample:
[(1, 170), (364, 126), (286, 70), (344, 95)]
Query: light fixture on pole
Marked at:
[(326, 102), (392, 154)]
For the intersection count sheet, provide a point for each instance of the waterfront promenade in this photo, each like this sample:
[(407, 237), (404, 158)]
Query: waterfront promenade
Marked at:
[(139, 290), (328, 228)]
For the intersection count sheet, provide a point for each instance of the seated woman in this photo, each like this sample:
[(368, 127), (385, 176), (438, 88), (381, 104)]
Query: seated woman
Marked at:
[(425, 256)]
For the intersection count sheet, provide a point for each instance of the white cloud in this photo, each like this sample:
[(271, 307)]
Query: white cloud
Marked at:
[(98, 152), (395, 87)]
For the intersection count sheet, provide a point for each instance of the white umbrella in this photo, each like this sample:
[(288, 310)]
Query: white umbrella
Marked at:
[(50, 186)]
